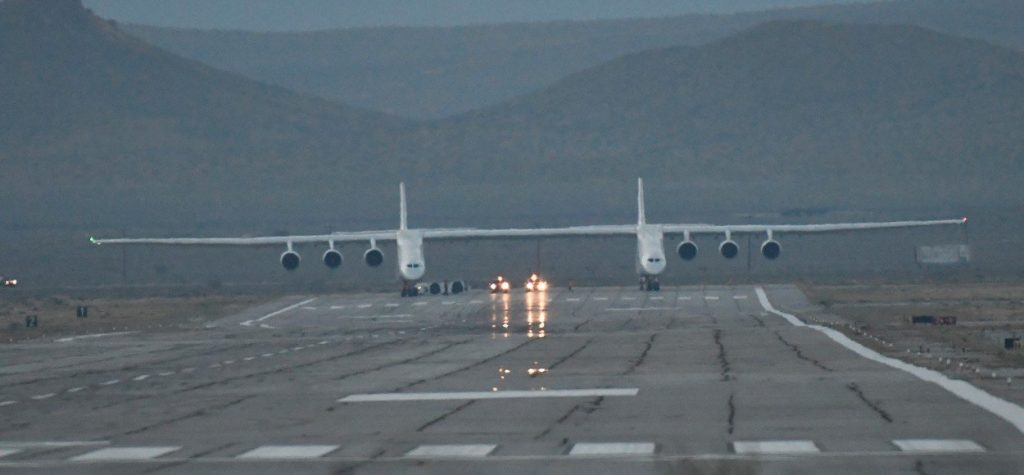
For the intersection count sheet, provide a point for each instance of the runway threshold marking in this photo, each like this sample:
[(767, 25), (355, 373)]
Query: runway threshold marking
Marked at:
[(454, 396), (249, 323), (1001, 408), (775, 447), (125, 453), (288, 452), (455, 451), (937, 445), (612, 448)]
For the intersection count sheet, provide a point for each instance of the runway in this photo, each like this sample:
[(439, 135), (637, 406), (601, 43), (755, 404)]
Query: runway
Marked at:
[(716, 379)]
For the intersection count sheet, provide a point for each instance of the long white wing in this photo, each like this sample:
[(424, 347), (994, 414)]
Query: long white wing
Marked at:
[(470, 233), (256, 241), (801, 228)]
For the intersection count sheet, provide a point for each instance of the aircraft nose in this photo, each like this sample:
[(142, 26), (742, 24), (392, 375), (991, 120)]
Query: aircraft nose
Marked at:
[(413, 271), (653, 264)]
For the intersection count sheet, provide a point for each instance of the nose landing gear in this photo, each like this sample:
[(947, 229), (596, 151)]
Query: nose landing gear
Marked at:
[(409, 289), (649, 283)]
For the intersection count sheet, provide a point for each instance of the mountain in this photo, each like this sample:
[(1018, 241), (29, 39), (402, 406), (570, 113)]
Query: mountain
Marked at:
[(427, 73), (842, 113), (91, 113), (101, 129), (304, 15)]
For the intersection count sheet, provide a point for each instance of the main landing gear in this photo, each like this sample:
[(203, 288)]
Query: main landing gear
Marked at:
[(409, 290), (649, 283)]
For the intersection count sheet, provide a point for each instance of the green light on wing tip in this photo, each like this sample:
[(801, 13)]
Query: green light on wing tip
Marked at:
[(93, 240)]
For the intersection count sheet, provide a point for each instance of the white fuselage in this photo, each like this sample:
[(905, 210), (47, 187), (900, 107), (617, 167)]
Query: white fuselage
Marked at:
[(411, 265), (650, 249)]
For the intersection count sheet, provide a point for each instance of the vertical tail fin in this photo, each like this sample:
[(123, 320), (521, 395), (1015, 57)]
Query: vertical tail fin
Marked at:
[(401, 208), (641, 218)]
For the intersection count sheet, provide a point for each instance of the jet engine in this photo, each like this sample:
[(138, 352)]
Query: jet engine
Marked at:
[(687, 250), (436, 288), (333, 258), (729, 249), (373, 257), (457, 287), (771, 249), (290, 260)]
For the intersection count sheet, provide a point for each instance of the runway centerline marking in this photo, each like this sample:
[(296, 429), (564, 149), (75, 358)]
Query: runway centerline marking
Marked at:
[(600, 298), (392, 304), (7, 403), (51, 444), (419, 303), (125, 453), (657, 297), (40, 397), (110, 382), (937, 445), (76, 389), (141, 377), (456, 396), (710, 297), (681, 297), (1001, 408), (365, 305), (288, 452), (572, 299), (612, 448), (455, 451), (775, 447)]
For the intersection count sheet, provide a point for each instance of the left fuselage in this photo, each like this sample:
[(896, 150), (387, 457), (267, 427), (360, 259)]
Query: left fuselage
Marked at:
[(650, 249), (411, 265)]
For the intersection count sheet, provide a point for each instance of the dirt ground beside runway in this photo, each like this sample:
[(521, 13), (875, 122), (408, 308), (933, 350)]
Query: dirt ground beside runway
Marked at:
[(57, 314), (972, 349)]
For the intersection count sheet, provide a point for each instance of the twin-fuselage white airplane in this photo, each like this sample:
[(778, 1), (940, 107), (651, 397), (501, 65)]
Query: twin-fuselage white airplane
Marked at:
[(650, 248)]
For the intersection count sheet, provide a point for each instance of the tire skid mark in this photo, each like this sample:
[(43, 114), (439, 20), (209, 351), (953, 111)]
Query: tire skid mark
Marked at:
[(643, 355), (196, 413), (402, 362), (723, 360), (468, 367), (800, 354), (732, 412), (871, 404), (445, 415), (570, 355), (253, 375)]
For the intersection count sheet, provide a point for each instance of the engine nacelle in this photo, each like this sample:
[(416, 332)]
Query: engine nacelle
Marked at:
[(728, 249), (333, 258), (290, 260), (687, 250), (373, 257), (771, 249), (436, 288), (457, 287)]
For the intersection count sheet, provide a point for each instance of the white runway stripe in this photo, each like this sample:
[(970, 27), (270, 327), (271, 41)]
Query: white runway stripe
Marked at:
[(620, 448), (739, 297), (110, 382), (7, 403), (337, 307), (468, 450), (683, 297), (775, 447), (399, 397), (573, 299), (364, 305), (1001, 408), (141, 377), (125, 453), (281, 452), (600, 298), (419, 304), (710, 297), (391, 304), (51, 444), (6, 452), (657, 297), (283, 310), (637, 309), (76, 389), (938, 445), (40, 397)]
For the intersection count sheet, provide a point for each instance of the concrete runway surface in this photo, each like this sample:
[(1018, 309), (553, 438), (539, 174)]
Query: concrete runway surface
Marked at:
[(596, 380)]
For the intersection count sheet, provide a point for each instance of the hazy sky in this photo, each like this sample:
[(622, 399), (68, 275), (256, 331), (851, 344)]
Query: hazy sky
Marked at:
[(278, 15)]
